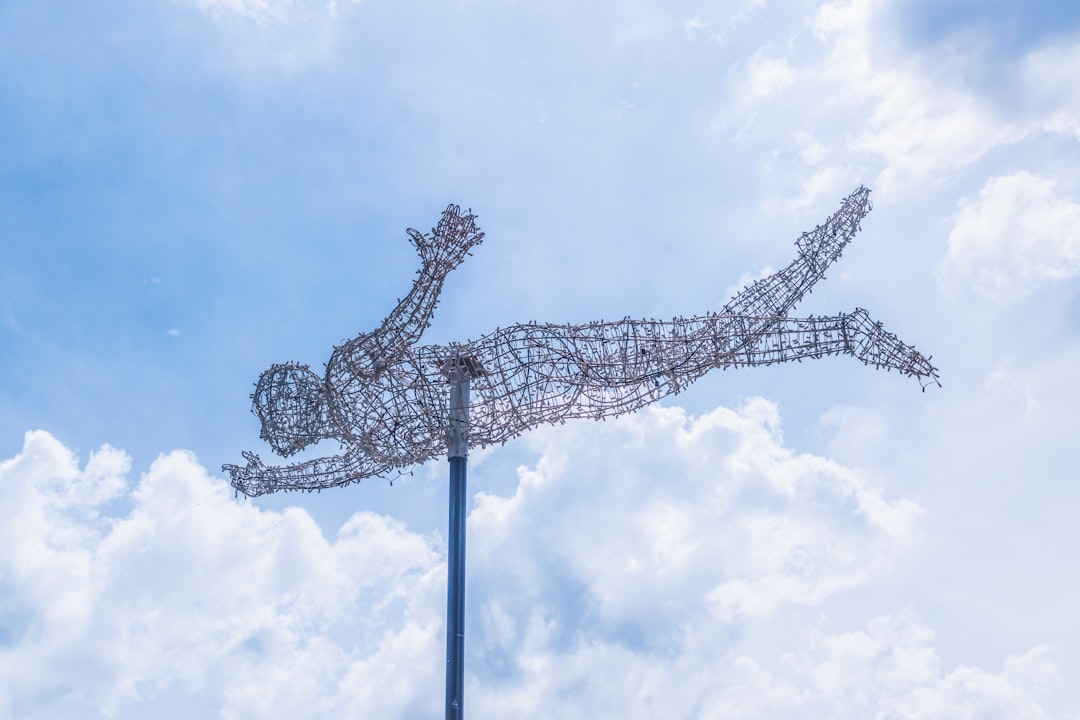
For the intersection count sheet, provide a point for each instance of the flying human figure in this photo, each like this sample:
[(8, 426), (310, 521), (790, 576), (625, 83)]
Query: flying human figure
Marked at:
[(384, 397)]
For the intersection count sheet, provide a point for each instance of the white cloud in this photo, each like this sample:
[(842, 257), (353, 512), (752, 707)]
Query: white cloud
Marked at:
[(741, 15), (1054, 98), (745, 11), (764, 74), (902, 121), (811, 150), (890, 669), (195, 592), (796, 528), (276, 38), (921, 126), (618, 579), (1015, 237)]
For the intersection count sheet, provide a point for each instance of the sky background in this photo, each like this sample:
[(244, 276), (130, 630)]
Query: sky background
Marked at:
[(193, 190)]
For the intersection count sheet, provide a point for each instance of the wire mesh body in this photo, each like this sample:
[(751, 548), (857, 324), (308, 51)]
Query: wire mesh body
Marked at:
[(385, 398)]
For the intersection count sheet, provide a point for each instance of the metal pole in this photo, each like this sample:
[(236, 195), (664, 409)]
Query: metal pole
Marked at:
[(458, 450)]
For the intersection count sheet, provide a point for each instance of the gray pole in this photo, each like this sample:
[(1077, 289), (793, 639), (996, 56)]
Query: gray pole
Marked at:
[(458, 450)]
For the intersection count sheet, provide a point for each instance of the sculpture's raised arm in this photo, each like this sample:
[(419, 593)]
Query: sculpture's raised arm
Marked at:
[(441, 250)]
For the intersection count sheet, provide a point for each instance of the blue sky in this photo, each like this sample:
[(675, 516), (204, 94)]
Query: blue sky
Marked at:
[(192, 190)]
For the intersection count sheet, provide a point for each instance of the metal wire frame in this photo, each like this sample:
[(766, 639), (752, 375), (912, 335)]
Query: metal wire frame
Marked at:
[(384, 397)]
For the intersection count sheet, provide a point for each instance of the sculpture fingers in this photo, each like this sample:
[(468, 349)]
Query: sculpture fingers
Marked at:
[(450, 241)]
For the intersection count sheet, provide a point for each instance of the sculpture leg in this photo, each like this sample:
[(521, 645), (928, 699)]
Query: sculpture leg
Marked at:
[(852, 334), (539, 374), (775, 295)]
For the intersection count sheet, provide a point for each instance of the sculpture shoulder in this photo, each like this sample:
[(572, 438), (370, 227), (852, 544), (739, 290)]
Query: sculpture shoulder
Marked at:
[(366, 356), (356, 356)]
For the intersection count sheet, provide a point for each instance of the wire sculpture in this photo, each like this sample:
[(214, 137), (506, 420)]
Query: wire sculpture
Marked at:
[(385, 398)]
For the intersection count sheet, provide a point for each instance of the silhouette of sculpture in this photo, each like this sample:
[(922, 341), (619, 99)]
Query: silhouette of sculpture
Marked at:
[(384, 397)]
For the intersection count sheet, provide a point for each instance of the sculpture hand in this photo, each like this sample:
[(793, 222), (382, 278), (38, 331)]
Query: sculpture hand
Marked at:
[(242, 478), (450, 241)]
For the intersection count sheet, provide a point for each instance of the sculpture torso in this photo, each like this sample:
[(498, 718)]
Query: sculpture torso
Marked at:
[(385, 402)]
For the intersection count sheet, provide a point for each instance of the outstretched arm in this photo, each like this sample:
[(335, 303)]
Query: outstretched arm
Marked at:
[(441, 250), (256, 479)]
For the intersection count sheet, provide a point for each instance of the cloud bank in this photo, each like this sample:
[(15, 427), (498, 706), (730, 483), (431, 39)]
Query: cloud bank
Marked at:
[(632, 572), (1016, 236)]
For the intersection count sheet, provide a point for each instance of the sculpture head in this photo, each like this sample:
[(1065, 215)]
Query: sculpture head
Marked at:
[(290, 401)]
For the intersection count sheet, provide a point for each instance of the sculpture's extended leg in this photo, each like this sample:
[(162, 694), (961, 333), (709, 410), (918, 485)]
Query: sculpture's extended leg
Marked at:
[(774, 296), (538, 374), (852, 334)]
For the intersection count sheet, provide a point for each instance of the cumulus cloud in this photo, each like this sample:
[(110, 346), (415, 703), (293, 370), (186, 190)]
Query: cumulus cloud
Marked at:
[(921, 123), (912, 119), (193, 591), (619, 578), (889, 669), (1016, 236), (922, 126), (730, 521)]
